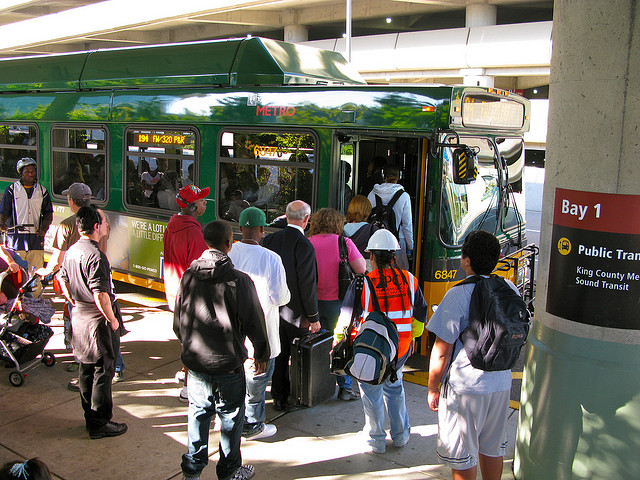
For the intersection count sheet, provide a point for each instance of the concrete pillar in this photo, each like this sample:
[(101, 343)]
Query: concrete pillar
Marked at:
[(296, 33), (580, 411), (475, 77), (479, 15)]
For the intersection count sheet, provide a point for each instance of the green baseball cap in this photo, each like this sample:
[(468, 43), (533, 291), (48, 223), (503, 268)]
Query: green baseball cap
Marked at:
[(252, 217)]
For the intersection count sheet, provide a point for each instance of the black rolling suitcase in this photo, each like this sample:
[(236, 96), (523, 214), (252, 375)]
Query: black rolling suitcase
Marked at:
[(311, 379)]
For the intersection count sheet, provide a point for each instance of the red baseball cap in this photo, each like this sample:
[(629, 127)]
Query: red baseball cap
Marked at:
[(189, 194)]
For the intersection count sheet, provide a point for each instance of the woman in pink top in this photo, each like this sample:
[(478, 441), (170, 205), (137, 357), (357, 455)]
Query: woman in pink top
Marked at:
[(326, 226)]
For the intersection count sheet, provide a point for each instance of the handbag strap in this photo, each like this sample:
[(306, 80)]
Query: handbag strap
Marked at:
[(342, 247)]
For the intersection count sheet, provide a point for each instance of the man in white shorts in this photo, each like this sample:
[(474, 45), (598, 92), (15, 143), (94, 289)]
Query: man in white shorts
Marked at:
[(473, 406)]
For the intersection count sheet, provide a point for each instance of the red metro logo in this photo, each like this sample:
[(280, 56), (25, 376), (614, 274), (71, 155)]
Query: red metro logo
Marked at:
[(275, 111)]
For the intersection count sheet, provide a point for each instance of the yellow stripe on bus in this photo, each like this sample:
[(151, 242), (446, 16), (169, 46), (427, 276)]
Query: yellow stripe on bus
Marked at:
[(139, 281)]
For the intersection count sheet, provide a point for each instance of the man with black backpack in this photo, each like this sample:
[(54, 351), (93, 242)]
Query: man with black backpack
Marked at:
[(392, 211), (472, 403)]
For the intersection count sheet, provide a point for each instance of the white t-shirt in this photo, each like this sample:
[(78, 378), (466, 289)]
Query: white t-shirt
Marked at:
[(449, 320), (267, 272)]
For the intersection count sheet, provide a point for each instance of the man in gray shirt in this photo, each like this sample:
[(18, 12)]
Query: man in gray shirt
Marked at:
[(96, 323)]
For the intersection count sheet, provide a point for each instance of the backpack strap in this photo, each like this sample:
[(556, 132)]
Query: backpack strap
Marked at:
[(342, 247), (357, 305), (378, 201), (470, 279), (375, 305), (395, 198)]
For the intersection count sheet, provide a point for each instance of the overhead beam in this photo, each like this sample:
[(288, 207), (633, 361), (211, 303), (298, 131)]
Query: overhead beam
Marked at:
[(9, 5), (245, 17), (364, 9), (106, 16)]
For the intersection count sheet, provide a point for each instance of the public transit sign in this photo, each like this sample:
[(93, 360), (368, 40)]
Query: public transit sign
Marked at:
[(594, 267)]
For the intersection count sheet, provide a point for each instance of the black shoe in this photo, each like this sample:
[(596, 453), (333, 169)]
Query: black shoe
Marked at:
[(280, 405), (109, 429)]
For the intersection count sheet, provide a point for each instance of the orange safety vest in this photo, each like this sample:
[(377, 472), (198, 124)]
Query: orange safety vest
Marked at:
[(395, 297)]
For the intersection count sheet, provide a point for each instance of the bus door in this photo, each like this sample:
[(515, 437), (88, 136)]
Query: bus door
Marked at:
[(359, 163)]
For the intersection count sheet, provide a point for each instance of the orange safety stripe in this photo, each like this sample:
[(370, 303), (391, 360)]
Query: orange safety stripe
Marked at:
[(395, 297)]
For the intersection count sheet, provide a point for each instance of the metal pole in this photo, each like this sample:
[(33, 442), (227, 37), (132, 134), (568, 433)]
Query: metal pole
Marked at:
[(348, 36)]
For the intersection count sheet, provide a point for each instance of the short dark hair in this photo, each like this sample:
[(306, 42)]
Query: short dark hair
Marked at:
[(391, 171), (217, 233), (86, 218), (483, 250)]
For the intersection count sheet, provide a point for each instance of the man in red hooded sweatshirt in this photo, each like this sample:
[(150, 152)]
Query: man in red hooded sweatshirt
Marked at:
[(183, 243)]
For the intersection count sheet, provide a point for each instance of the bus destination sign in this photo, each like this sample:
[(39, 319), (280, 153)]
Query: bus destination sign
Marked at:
[(594, 267), (160, 138)]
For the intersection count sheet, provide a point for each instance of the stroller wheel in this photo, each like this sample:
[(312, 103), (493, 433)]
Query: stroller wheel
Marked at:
[(16, 379), (48, 359)]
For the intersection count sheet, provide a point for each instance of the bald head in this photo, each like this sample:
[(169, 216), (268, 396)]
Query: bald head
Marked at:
[(298, 213)]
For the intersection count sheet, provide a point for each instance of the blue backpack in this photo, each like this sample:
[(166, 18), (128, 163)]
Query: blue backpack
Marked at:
[(375, 347)]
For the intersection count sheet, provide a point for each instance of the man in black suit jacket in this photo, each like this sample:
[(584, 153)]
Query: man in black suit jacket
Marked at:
[(300, 315)]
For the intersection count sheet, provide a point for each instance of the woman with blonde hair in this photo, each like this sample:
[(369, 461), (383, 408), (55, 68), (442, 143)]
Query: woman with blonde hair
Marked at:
[(357, 228), (326, 228)]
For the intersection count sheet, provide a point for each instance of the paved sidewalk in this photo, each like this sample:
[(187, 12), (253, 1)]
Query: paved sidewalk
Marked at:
[(44, 419)]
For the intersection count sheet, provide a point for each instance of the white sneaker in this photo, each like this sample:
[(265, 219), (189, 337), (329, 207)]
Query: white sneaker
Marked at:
[(269, 430), (184, 396)]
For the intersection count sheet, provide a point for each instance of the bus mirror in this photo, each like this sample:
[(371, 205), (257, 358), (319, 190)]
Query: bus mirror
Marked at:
[(465, 169)]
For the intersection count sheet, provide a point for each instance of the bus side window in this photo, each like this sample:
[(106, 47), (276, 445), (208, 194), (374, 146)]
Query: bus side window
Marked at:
[(159, 163), (266, 170), (79, 155), (16, 142)]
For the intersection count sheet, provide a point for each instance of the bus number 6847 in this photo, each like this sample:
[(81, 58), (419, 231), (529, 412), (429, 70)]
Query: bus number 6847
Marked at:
[(445, 274)]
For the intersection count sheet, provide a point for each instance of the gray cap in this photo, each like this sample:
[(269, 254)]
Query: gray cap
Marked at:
[(79, 191)]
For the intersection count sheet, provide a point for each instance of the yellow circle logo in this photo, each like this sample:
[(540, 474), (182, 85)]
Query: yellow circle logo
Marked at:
[(564, 246)]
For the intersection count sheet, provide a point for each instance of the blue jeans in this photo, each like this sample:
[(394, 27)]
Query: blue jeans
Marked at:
[(374, 400), (256, 388), (119, 361), (210, 395), (329, 311)]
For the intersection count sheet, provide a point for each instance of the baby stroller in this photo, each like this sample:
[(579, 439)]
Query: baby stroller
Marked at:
[(23, 336)]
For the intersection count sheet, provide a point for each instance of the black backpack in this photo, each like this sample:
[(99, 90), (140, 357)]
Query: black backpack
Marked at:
[(498, 324), (362, 236), (383, 216)]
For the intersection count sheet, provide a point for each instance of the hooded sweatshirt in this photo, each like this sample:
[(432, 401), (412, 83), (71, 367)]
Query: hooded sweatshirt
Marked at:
[(183, 243), (402, 208), (216, 308)]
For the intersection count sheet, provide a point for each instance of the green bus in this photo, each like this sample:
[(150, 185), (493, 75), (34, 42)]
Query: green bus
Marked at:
[(262, 122)]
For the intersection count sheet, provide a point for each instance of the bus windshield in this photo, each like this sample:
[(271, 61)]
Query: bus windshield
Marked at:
[(465, 208)]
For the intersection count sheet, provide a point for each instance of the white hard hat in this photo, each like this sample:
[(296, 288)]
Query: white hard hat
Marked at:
[(23, 162), (382, 240)]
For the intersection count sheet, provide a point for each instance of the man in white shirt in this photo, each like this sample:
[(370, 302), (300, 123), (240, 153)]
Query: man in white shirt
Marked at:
[(267, 272)]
